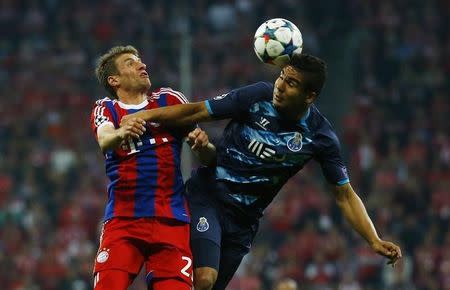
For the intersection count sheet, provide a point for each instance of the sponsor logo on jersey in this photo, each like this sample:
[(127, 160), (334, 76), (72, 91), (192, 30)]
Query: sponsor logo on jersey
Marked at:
[(220, 97), (261, 149), (263, 122), (202, 225)]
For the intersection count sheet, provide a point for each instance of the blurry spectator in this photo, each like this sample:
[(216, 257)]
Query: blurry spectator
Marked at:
[(286, 284)]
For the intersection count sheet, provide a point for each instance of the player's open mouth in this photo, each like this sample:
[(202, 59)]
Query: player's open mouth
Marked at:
[(144, 74)]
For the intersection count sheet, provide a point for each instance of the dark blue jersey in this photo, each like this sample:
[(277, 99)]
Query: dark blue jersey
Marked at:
[(260, 150)]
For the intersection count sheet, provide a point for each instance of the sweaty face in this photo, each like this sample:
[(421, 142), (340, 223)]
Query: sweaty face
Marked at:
[(132, 73), (289, 95)]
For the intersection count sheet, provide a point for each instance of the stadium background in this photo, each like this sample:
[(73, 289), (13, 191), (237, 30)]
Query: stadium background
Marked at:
[(387, 94)]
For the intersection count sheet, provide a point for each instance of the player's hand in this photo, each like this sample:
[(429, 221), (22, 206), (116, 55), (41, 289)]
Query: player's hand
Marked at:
[(131, 128), (389, 250), (125, 119), (197, 139)]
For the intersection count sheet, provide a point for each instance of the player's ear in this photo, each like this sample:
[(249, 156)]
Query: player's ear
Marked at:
[(310, 98), (113, 81)]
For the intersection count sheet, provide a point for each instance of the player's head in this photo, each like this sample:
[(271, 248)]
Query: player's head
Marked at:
[(122, 69), (286, 284), (299, 83)]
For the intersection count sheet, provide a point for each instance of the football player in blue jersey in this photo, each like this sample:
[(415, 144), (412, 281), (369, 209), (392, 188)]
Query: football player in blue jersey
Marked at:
[(275, 129)]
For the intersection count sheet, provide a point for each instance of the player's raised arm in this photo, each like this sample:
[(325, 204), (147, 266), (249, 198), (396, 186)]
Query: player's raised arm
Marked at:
[(177, 115), (355, 212), (233, 104)]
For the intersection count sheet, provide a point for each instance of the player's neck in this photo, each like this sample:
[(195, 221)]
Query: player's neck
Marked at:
[(296, 115), (130, 98)]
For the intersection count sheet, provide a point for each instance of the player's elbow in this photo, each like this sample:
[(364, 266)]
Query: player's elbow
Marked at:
[(204, 279), (107, 144), (199, 113), (343, 194), (104, 146)]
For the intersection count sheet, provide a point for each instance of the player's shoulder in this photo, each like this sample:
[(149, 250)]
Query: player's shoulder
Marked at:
[(105, 102), (256, 92), (263, 88), (167, 92), (320, 124)]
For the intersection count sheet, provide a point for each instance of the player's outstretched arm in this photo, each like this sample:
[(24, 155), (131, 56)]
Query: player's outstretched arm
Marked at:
[(355, 212), (177, 115), (110, 138), (202, 148)]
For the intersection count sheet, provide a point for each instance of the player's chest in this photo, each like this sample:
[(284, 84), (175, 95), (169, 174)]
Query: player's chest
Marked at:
[(284, 138)]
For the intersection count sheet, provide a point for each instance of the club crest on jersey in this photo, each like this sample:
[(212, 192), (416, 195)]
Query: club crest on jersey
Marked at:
[(202, 225), (295, 144), (103, 256)]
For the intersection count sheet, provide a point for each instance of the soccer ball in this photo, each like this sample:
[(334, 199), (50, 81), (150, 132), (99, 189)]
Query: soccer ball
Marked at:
[(276, 40)]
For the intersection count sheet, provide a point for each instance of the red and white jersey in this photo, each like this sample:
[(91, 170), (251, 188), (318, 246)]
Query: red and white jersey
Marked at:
[(145, 174)]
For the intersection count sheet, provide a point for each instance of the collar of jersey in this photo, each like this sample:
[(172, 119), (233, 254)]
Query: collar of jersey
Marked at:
[(130, 106), (302, 121)]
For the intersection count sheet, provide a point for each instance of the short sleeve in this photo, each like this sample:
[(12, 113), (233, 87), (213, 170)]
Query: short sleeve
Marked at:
[(237, 102), (172, 97), (100, 116), (330, 160)]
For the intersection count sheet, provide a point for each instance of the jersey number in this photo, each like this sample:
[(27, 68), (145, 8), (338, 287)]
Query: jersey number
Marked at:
[(188, 265)]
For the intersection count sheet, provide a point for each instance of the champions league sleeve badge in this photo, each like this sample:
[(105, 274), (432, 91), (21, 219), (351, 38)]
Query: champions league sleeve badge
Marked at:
[(202, 225), (295, 144)]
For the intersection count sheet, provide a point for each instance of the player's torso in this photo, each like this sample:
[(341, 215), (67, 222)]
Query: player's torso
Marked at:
[(157, 146), (145, 175), (263, 148)]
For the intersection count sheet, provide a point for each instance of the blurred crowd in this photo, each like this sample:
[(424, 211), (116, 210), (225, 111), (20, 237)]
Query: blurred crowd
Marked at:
[(395, 134)]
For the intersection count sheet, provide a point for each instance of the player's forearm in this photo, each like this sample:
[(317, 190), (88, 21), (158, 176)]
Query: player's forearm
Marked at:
[(178, 115), (109, 140), (355, 212), (206, 155)]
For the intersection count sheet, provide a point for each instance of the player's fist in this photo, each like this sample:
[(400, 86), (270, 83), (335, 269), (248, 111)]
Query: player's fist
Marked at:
[(389, 250), (125, 119), (131, 127), (197, 139)]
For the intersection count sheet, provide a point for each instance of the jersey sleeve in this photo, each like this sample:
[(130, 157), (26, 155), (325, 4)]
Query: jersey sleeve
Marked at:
[(330, 160), (237, 102), (100, 116), (173, 97)]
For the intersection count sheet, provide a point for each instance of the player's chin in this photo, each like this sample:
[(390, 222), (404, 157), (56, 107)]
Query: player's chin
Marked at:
[(147, 84), (277, 104)]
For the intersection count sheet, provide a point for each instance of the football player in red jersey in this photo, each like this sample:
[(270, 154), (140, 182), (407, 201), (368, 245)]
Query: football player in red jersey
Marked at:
[(146, 219)]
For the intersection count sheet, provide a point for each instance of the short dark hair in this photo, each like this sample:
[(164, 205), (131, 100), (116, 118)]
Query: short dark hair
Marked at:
[(313, 68), (106, 65)]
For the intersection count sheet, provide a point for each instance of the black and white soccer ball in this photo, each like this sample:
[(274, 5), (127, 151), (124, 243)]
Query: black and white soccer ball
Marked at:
[(276, 40)]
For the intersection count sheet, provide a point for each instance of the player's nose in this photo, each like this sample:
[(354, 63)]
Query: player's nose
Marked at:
[(142, 66), (279, 86)]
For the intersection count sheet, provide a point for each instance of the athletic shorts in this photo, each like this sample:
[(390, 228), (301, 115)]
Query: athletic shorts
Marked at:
[(219, 239), (161, 245)]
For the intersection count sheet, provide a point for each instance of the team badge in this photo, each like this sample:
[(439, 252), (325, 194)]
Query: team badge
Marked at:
[(295, 144), (103, 256), (202, 225)]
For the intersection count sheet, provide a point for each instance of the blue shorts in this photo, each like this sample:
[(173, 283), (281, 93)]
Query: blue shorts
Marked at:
[(219, 238)]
